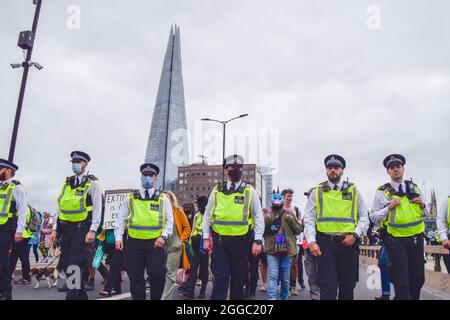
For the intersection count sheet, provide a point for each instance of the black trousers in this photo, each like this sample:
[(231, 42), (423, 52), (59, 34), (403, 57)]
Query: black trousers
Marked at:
[(299, 262), (407, 266), (113, 277), (337, 268), (229, 264), (142, 255), (199, 267), (252, 275), (75, 252), (6, 239), (20, 250)]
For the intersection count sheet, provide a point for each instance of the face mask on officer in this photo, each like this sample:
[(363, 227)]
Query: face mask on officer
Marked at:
[(235, 174), (147, 182), (77, 168)]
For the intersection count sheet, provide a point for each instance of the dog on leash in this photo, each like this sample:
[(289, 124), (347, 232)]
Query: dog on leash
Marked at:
[(50, 274)]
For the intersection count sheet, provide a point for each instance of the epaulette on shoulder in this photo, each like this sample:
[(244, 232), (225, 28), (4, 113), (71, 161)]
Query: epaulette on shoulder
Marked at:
[(136, 194), (92, 177), (16, 182), (68, 180), (242, 186), (157, 194), (220, 186), (384, 187)]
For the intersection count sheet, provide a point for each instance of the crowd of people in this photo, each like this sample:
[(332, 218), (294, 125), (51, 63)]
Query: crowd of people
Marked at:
[(226, 238)]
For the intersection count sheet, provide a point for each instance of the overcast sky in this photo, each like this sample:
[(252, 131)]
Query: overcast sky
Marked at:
[(313, 71)]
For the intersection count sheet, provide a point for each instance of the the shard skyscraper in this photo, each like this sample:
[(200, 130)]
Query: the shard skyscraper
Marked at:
[(167, 144)]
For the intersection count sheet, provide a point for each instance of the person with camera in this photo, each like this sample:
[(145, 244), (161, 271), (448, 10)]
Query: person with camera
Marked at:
[(399, 207), (336, 218), (280, 245)]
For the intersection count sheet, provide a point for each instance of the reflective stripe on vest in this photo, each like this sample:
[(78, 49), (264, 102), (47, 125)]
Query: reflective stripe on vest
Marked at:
[(406, 219), (143, 222), (334, 214), (72, 206), (6, 197), (231, 213)]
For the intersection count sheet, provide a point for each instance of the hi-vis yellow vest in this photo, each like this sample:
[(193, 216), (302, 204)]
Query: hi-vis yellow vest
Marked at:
[(230, 213), (26, 232), (198, 225), (336, 210), (146, 218), (7, 206), (75, 204), (406, 219)]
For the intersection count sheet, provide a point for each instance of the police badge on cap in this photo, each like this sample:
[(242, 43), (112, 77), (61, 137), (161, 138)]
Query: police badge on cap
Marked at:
[(393, 159), (150, 168), (335, 160), (233, 159), (79, 155)]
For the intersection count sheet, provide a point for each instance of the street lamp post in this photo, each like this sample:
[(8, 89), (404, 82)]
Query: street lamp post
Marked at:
[(26, 40), (224, 123)]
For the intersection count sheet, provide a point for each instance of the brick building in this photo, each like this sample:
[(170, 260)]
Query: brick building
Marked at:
[(200, 179)]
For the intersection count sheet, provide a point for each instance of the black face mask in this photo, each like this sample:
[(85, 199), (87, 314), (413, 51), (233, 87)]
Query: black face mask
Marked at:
[(235, 175)]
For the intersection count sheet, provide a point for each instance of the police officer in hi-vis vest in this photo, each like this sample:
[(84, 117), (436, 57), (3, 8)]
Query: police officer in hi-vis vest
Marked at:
[(443, 226), (335, 219), (399, 208), (443, 223), (147, 215), (13, 214), (232, 208), (79, 216)]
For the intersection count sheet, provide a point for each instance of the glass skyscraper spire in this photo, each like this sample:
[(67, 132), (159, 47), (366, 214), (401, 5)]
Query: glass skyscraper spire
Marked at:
[(167, 145)]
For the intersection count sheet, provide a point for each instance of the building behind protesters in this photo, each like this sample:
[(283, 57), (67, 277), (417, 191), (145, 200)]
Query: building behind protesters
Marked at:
[(176, 246), (280, 246)]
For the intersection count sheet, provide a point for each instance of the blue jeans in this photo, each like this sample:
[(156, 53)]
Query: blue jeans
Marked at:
[(278, 265)]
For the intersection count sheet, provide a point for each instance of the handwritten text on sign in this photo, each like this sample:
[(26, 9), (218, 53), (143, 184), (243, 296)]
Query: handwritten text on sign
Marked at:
[(113, 202)]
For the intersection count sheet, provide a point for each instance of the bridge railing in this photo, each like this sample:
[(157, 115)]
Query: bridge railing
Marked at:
[(433, 278)]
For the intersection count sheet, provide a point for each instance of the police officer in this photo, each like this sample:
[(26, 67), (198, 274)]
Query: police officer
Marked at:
[(335, 219), (13, 213), (443, 223), (147, 214), (80, 213), (399, 208), (232, 206)]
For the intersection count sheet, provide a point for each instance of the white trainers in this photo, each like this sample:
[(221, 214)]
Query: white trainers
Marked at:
[(263, 287)]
